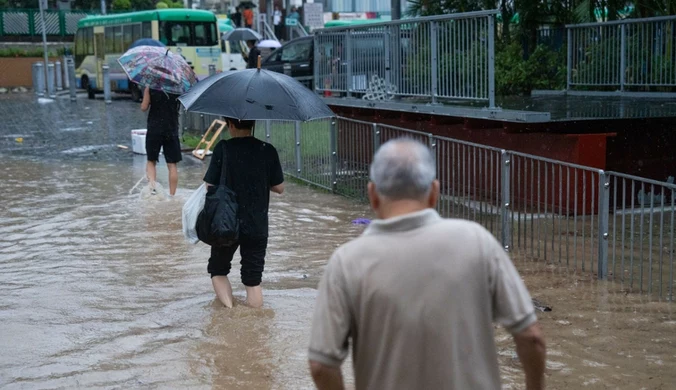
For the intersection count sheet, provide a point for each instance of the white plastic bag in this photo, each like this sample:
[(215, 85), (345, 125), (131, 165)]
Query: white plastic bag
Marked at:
[(191, 209)]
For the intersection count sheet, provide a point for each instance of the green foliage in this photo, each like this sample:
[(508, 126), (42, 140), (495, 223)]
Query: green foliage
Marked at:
[(121, 5), (544, 69), (175, 4), (141, 5), (32, 52), (161, 5)]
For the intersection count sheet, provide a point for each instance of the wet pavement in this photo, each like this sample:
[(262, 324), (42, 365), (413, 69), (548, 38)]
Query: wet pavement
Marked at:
[(99, 290)]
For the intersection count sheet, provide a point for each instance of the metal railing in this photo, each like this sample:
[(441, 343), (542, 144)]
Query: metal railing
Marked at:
[(27, 23), (606, 225), (635, 54), (447, 57), (264, 28)]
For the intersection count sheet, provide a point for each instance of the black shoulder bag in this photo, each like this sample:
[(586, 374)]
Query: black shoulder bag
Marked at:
[(217, 224)]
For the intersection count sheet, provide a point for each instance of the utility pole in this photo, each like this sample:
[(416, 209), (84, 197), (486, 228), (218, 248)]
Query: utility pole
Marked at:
[(43, 5), (396, 9), (103, 7)]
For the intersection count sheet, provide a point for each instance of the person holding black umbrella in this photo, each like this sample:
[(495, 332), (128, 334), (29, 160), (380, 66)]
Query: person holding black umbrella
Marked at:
[(252, 171), (254, 53)]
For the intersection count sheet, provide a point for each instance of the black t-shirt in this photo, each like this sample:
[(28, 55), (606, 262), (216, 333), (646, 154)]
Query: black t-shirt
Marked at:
[(252, 62), (163, 115), (252, 168)]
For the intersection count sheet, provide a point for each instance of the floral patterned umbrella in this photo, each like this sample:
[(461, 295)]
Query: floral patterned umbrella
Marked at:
[(158, 68)]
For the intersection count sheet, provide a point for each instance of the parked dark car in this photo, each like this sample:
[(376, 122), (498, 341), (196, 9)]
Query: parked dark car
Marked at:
[(295, 58)]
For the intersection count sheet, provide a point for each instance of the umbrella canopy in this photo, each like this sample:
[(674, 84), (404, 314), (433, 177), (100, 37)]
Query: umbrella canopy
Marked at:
[(247, 4), (158, 68), (147, 42), (269, 44), (255, 94), (242, 34)]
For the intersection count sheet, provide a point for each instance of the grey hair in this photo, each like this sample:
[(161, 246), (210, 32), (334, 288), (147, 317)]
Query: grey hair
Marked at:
[(403, 169)]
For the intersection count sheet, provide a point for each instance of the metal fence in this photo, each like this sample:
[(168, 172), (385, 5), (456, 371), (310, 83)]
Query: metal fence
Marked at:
[(27, 23), (603, 224), (448, 57), (631, 54)]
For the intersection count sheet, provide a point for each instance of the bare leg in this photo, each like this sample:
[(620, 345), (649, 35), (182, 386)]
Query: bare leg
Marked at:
[(173, 178), (151, 172), (254, 296), (223, 290)]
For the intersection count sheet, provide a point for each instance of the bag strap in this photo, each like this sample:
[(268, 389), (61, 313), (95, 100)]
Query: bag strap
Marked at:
[(223, 166)]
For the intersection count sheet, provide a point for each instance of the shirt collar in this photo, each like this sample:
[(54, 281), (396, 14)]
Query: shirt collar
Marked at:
[(403, 223)]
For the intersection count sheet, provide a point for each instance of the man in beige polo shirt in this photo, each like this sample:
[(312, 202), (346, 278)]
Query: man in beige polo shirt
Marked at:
[(417, 295)]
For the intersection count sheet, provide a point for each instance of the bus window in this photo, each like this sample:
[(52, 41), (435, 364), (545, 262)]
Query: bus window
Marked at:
[(89, 41), (117, 48), (80, 51), (110, 40), (205, 34), (126, 38), (146, 30), (135, 32), (175, 33)]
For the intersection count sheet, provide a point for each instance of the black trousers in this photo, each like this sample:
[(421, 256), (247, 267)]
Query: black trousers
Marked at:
[(253, 259)]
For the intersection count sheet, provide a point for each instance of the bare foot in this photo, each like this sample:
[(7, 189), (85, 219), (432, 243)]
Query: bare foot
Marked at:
[(254, 297), (223, 290)]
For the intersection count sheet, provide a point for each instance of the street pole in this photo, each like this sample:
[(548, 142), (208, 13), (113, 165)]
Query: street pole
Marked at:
[(103, 7), (396, 9), (43, 5)]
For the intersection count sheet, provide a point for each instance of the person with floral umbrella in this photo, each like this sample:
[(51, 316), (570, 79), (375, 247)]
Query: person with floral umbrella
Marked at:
[(164, 76)]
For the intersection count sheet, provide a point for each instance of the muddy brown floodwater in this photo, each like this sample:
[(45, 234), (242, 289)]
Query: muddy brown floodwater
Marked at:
[(98, 289)]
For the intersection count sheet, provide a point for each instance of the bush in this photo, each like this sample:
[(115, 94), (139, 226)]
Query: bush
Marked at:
[(32, 52), (544, 69), (161, 5), (121, 5)]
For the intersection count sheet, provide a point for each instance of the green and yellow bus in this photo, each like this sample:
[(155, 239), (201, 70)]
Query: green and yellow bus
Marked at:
[(102, 39)]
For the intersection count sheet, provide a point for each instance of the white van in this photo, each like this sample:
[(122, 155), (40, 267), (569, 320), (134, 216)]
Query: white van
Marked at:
[(231, 55)]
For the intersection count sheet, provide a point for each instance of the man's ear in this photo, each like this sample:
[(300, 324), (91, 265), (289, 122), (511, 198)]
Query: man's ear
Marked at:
[(434, 194), (373, 196)]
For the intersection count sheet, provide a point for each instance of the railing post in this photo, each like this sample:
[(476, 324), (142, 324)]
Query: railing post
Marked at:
[(40, 88), (72, 84), (376, 137), (299, 160), (106, 84), (435, 63), (333, 141), (203, 127), (431, 142), (348, 48), (569, 57), (623, 55), (66, 78), (505, 202), (491, 61), (315, 65), (59, 76), (388, 60), (50, 80), (34, 74), (604, 211)]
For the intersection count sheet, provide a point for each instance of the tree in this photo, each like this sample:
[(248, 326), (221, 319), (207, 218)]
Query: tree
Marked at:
[(121, 5), (161, 5), (142, 5)]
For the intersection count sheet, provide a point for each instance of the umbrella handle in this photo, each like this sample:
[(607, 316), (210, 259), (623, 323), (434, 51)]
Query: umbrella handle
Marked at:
[(259, 62)]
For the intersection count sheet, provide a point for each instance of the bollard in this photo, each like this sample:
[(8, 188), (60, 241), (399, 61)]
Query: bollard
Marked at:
[(34, 73), (72, 84), (40, 69), (66, 80), (106, 83), (50, 80), (212, 70), (59, 76)]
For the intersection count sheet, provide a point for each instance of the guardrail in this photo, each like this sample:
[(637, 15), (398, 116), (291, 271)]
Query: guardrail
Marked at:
[(27, 23), (631, 54), (448, 57), (607, 225)]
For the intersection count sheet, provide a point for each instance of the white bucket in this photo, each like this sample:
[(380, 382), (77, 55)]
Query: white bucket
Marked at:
[(138, 141)]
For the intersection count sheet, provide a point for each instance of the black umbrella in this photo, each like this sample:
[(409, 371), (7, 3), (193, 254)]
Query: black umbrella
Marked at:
[(247, 4), (242, 34), (255, 94)]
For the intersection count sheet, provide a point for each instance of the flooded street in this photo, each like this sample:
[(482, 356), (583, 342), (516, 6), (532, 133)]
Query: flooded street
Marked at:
[(98, 288)]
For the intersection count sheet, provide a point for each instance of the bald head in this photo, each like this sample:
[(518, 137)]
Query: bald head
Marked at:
[(403, 169)]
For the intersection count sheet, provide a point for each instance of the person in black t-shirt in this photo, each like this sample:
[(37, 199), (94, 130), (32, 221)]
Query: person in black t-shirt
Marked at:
[(254, 53), (253, 170), (162, 133)]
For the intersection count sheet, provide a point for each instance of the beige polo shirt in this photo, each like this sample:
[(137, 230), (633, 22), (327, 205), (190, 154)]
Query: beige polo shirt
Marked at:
[(417, 297)]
